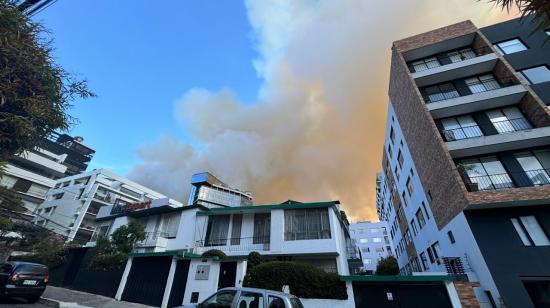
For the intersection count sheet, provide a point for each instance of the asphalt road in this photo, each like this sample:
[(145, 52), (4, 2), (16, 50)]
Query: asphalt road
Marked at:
[(19, 303)]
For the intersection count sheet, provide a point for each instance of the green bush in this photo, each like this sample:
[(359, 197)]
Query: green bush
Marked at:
[(214, 253), (107, 262), (387, 266), (304, 280), (254, 259)]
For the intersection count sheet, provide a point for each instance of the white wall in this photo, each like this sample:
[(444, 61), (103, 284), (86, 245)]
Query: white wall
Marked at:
[(204, 287)]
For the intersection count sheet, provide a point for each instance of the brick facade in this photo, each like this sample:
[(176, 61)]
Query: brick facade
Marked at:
[(465, 291)]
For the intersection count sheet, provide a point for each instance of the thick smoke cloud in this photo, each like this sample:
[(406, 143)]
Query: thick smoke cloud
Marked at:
[(317, 128)]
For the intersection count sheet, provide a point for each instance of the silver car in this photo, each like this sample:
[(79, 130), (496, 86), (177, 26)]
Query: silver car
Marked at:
[(249, 298)]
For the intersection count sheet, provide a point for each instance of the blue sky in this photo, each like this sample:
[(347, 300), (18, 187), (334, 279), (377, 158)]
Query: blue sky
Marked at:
[(140, 57)]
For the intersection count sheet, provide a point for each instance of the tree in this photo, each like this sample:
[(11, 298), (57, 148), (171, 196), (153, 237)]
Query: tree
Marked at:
[(35, 92), (125, 237), (387, 266), (540, 9)]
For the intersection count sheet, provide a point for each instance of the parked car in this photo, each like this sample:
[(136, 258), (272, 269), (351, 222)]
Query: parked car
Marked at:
[(23, 279), (249, 298)]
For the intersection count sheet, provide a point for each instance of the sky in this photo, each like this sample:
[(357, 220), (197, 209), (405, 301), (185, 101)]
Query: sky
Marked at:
[(285, 98)]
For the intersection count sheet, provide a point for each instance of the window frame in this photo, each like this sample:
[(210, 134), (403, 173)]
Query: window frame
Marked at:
[(522, 71), (520, 41)]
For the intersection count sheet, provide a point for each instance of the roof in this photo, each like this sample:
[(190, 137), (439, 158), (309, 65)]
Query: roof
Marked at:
[(383, 278), (255, 208)]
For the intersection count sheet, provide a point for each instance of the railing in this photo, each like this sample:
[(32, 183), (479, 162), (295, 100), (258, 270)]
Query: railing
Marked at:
[(474, 130), (455, 56), (236, 244), (151, 239), (526, 178), (449, 91)]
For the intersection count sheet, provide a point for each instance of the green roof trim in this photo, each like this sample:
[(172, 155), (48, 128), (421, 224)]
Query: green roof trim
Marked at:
[(254, 208), (382, 278), (179, 254)]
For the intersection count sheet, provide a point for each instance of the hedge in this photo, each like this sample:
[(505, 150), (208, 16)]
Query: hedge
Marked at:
[(304, 280), (214, 253)]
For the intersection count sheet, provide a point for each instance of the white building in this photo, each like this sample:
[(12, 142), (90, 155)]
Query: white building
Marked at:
[(71, 206), (373, 241), (32, 173), (313, 233), (207, 190)]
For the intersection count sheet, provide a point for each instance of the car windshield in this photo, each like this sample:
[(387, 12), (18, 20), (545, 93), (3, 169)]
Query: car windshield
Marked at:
[(222, 299), (32, 269)]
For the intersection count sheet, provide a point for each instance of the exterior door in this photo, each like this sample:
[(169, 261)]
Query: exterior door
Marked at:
[(228, 274)]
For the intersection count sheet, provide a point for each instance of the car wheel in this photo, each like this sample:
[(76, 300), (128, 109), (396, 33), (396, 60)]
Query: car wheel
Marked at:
[(33, 299)]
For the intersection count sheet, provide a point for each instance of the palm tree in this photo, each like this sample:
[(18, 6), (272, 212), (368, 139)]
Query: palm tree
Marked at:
[(540, 9)]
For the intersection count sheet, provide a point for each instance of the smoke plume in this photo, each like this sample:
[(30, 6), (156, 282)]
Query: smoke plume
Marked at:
[(316, 131)]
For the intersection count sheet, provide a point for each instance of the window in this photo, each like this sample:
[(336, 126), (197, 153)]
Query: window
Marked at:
[(511, 46), (57, 196), (363, 240), (397, 172), (531, 163), (486, 173), (390, 153), (508, 120), (236, 226), (410, 186), (216, 230), (438, 93), (377, 240), (451, 236), (374, 230), (413, 226), (307, 224), (367, 261), (458, 128), (424, 64), (392, 135), (250, 300), (404, 199), (365, 249), (420, 218), (537, 74), (400, 159), (430, 254), (424, 205), (412, 173), (222, 299), (537, 288), (22, 185), (530, 231), (424, 261), (262, 227), (379, 249), (436, 252), (461, 55), (482, 83), (275, 302)]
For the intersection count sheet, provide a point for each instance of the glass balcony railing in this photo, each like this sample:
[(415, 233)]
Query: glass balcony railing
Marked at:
[(525, 178), (449, 91), (475, 130)]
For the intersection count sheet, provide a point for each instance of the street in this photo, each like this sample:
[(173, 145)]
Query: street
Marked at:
[(16, 303)]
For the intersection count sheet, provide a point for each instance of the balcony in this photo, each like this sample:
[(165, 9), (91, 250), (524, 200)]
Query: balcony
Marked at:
[(526, 178), (154, 239), (476, 130), (491, 95), (480, 61), (242, 245), (474, 145)]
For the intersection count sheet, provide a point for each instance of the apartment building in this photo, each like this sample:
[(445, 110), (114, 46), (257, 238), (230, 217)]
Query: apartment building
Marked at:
[(467, 156), (207, 190), (71, 206), (372, 239), (32, 173)]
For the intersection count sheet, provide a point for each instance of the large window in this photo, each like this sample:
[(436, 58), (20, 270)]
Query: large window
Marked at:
[(439, 93), (460, 128), (529, 231), (262, 227), (532, 164), (216, 231), (537, 74), (486, 173), (482, 83), (511, 46), (420, 218), (307, 224), (508, 120), (424, 64)]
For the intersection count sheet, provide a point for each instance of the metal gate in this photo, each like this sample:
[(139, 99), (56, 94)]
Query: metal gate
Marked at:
[(402, 295), (228, 274), (147, 280), (179, 283)]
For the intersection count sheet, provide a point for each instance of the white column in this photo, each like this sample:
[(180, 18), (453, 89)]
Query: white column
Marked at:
[(169, 281), (122, 284), (453, 295)]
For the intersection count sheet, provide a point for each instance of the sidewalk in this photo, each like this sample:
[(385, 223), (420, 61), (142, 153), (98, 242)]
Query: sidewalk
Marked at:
[(75, 299)]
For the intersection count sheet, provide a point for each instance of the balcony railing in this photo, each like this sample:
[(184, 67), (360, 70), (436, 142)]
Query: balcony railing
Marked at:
[(445, 92), (455, 56), (474, 130), (526, 178), (236, 244), (151, 239)]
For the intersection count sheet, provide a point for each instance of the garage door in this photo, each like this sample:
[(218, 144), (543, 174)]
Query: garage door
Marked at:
[(402, 295), (147, 280)]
